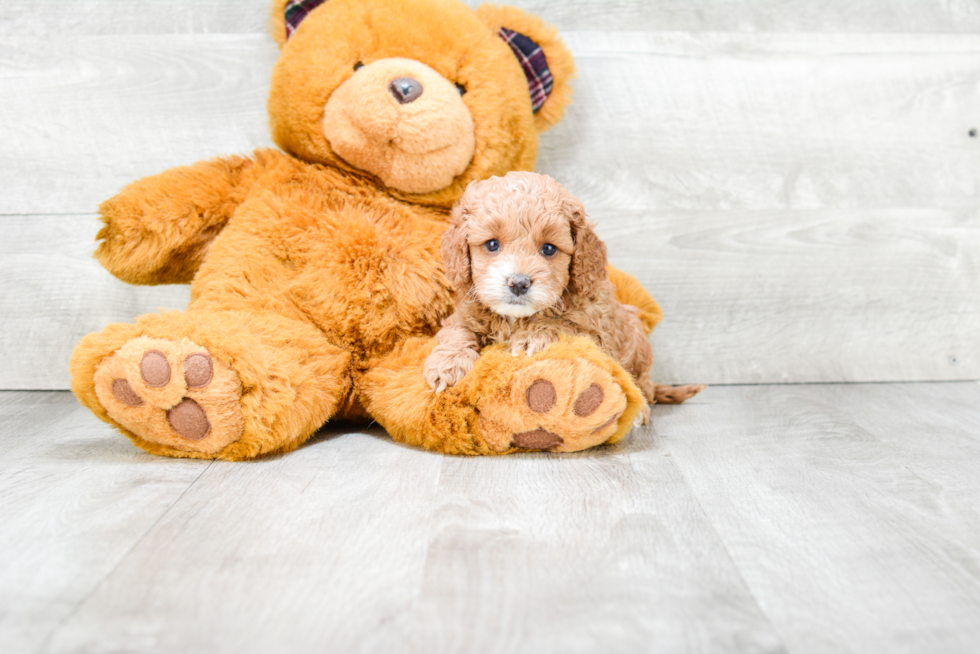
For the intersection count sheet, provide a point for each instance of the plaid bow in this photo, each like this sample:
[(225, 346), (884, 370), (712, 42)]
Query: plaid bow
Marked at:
[(296, 11), (533, 62)]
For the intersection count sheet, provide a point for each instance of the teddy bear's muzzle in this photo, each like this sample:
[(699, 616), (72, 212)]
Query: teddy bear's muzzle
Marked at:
[(402, 121)]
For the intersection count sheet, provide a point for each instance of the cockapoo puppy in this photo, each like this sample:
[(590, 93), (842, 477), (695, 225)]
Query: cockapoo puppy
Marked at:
[(527, 267)]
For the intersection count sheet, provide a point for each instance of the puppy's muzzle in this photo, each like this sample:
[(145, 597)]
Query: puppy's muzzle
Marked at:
[(519, 284)]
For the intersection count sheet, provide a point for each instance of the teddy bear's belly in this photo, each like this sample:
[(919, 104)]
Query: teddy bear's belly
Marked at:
[(366, 284), (369, 307)]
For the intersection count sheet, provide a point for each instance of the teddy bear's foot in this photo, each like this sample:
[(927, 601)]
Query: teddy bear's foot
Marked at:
[(173, 393), (559, 405), (569, 397), (212, 384)]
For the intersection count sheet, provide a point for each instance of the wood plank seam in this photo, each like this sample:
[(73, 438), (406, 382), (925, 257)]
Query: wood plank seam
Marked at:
[(651, 428), (81, 603)]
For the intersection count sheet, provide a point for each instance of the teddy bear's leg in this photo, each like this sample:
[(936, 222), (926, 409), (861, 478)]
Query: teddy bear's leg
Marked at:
[(567, 398), (212, 384)]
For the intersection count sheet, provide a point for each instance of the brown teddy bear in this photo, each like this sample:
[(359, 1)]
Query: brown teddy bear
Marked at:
[(317, 282)]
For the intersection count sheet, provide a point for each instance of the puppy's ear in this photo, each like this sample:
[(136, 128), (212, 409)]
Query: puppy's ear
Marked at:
[(456, 248), (588, 267)]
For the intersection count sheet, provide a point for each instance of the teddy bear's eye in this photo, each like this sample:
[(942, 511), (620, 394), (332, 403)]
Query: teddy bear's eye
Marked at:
[(359, 65), (461, 89), (548, 250), (492, 245)]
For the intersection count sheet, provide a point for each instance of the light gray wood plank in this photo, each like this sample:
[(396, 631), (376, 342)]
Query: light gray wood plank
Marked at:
[(851, 511), (54, 292), (599, 551), (321, 549), (367, 546), (250, 16), (83, 116), (947, 467), (712, 121), (765, 121), (757, 15), (75, 498), (798, 518), (77, 17), (804, 296)]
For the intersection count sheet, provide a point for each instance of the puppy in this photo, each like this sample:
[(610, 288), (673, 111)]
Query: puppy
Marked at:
[(527, 267)]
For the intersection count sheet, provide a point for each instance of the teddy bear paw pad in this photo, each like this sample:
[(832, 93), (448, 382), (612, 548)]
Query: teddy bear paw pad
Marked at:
[(559, 405), (174, 393)]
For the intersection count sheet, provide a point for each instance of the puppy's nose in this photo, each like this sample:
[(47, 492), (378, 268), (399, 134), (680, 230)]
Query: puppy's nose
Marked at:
[(519, 284), (405, 89)]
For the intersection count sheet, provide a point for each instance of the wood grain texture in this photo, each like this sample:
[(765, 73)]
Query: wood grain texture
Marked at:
[(89, 17), (704, 122), (789, 518), (956, 16), (730, 121), (320, 550), (604, 551), (355, 544), (807, 296), (54, 292), (850, 510), (19, 17), (83, 116), (75, 498)]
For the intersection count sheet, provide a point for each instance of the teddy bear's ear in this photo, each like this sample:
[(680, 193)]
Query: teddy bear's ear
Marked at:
[(287, 15), (547, 63)]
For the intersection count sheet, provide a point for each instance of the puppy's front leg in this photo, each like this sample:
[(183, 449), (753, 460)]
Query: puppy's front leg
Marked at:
[(533, 339), (452, 358)]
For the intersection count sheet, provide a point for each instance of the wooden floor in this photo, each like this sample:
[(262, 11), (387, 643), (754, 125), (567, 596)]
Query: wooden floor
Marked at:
[(799, 518)]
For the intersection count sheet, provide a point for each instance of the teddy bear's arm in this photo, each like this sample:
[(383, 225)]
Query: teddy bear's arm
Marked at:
[(631, 292), (157, 229)]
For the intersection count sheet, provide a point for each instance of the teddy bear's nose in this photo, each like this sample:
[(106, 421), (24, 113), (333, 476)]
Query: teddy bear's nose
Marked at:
[(405, 89)]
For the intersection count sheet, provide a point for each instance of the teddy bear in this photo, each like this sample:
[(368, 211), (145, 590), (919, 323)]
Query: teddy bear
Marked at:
[(316, 277)]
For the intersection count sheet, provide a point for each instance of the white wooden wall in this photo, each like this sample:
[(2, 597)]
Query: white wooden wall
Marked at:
[(795, 181)]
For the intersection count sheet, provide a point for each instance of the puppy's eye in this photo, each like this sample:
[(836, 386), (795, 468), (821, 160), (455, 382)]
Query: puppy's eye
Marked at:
[(492, 245), (461, 89), (548, 250), (359, 65)]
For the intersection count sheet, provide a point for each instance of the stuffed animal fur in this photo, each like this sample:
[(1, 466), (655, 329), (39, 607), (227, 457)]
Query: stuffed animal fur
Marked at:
[(316, 277)]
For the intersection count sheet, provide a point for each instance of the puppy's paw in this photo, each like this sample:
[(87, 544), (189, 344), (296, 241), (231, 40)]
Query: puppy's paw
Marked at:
[(643, 417), (531, 343), (444, 368)]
